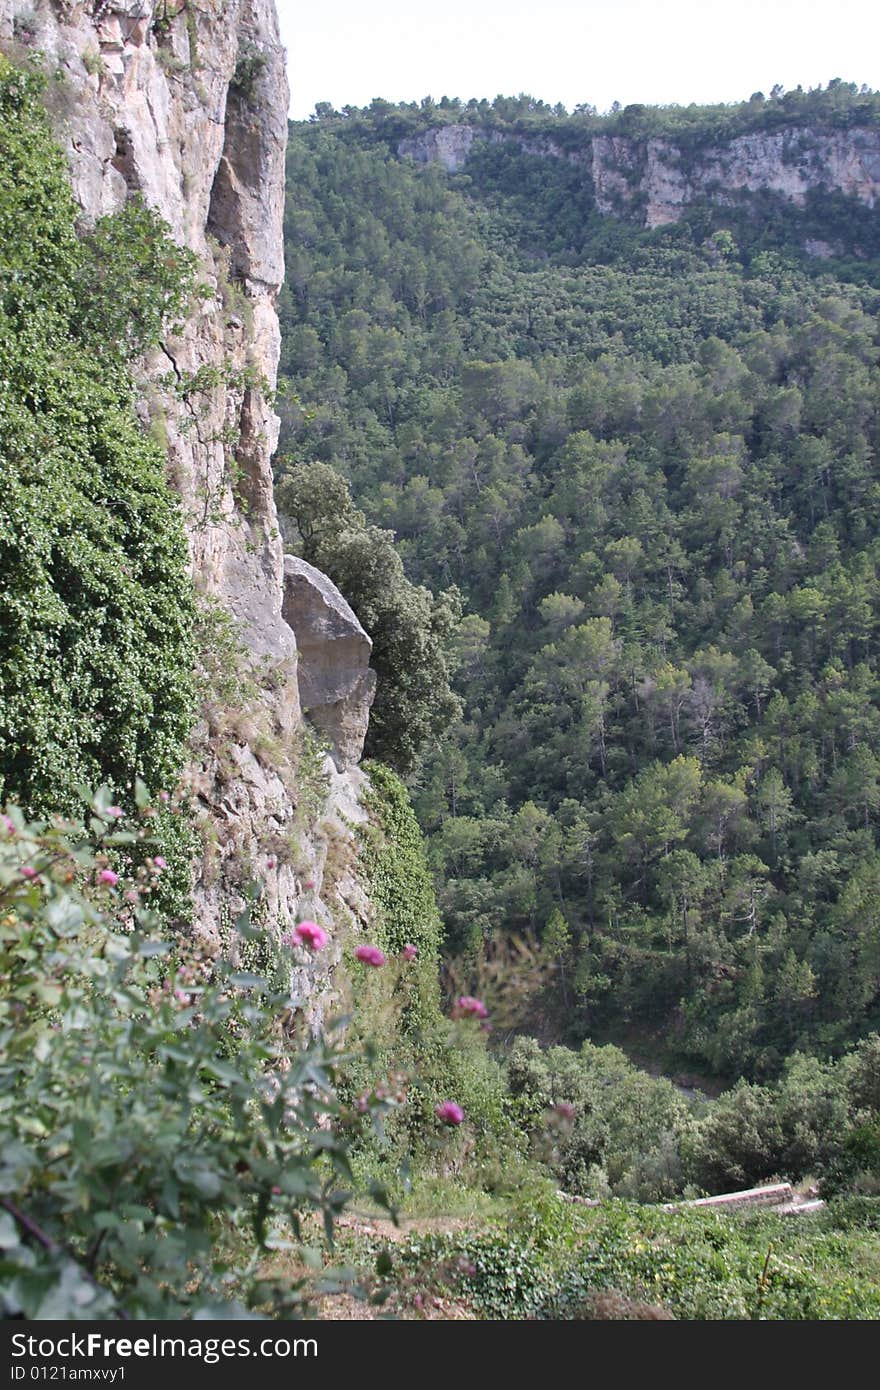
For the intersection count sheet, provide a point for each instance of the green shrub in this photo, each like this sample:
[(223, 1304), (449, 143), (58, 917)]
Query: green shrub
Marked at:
[(161, 1125), (599, 1123), (499, 1277)]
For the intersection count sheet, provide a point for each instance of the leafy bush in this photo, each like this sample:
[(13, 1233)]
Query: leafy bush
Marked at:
[(598, 1122), (162, 1124), (705, 1265), (500, 1277)]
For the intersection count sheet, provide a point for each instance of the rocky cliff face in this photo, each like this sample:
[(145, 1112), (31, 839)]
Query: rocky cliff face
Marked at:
[(652, 181), (449, 145), (186, 104), (652, 174)]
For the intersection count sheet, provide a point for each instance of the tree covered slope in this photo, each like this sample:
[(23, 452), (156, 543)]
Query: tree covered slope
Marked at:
[(648, 462)]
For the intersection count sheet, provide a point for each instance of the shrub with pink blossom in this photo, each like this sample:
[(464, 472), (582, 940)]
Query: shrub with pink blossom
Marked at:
[(307, 934), (370, 955), (449, 1112)]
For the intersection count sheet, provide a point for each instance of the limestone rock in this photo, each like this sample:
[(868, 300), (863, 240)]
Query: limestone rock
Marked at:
[(336, 685), (651, 180), (449, 145), (186, 106)]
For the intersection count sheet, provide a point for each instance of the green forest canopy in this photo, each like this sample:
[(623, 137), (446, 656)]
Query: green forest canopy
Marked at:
[(648, 463)]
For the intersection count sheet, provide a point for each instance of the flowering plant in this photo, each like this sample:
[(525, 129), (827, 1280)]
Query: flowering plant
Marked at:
[(150, 1096)]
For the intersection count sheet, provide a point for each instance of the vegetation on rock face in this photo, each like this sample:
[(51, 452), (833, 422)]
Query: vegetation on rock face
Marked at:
[(401, 892), (647, 462), (409, 1046), (96, 609), (160, 1119)]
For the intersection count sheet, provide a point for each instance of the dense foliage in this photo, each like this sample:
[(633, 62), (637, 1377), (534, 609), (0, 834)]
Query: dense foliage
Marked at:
[(840, 105), (534, 1257), (162, 1124), (96, 610), (604, 1127), (648, 463)]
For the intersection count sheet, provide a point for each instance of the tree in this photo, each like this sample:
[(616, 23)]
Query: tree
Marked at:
[(775, 805), (557, 942)]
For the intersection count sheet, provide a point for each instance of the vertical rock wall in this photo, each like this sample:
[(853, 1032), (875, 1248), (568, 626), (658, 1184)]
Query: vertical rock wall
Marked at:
[(184, 102), (653, 181)]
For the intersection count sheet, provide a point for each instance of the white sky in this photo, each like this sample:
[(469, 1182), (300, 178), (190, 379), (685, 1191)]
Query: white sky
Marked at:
[(653, 51)]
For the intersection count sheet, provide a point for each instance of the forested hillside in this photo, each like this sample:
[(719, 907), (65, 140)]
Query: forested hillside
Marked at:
[(647, 461), (603, 501)]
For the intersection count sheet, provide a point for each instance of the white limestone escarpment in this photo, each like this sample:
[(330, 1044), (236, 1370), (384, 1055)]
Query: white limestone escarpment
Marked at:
[(184, 102), (652, 181)]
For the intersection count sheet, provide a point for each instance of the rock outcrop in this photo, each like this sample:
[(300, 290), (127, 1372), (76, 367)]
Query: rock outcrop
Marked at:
[(185, 105), (449, 145), (651, 174), (336, 685), (652, 180)]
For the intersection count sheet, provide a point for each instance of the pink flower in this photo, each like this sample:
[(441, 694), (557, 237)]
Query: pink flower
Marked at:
[(163, 796), (270, 861), (309, 884), (370, 955), (469, 1007), (107, 876), (159, 862), (7, 823), (114, 812), (308, 934), (410, 952), (449, 1112), (564, 1109), (27, 872)]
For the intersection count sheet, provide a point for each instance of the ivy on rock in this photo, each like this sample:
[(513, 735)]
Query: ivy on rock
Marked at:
[(96, 605)]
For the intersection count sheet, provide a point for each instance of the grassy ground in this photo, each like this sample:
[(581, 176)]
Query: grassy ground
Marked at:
[(473, 1257)]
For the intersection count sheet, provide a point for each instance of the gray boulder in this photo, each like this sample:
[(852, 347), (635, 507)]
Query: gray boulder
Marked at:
[(336, 685)]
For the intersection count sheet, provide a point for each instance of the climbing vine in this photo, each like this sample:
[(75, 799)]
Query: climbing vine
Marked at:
[(96, 606)]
